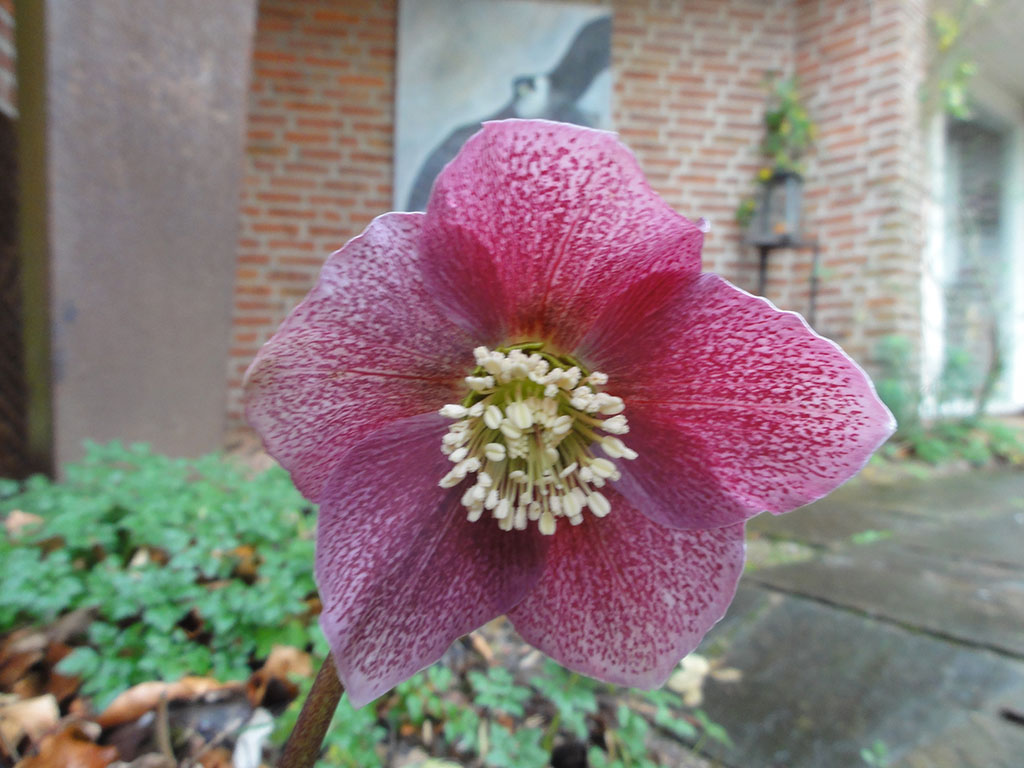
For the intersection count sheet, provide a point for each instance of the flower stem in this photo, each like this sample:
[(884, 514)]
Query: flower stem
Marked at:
[(303, 745)]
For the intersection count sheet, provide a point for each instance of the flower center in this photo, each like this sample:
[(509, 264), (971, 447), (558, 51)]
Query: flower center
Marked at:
[(525, 435)]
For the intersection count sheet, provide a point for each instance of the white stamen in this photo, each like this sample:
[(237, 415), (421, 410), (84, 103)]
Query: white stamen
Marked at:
[(480, 383), (492, 417), (494, 452), (509, 430), (502, 509), (546, 524), (520, 519), (524, 438), (519, 414), (598, 504)]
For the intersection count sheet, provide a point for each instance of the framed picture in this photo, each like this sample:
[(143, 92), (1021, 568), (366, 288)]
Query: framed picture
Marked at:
[(461, 62)]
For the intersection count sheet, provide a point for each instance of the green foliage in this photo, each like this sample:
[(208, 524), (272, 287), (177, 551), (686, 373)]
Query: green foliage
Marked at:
[(745, 212), (788, 134), (574, 697), (191, 566), (950, 72), (876, 755), (515, 748), (980, 442), (627, 744), (788, 130), (196, 567), (497, 690), (352, 738), (896, 383), (870, 536), (472, 716)]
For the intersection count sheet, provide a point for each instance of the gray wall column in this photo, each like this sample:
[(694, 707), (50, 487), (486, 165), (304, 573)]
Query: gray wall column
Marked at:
[(129, 243)]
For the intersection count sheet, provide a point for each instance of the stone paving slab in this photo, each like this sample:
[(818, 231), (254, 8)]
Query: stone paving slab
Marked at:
[(949, 497), (820, 684), (824, 525), (974, 602), (859, 506), (982, 741), (998, 540)]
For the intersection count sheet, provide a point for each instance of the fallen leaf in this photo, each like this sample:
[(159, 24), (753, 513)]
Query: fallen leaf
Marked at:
[(688, 679), (141, 698), (28, 717), (17, 520), (248, 561), (282, 665), (69, 748), (481, 646), (20, 651), (727, 675), (218, 757), (71, 626), (61, 686)]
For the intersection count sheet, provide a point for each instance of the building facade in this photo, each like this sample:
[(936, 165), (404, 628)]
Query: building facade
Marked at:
[(886, 182), (689, 98)]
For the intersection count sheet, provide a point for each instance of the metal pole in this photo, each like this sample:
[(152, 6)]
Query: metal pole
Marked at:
[(764, 250)]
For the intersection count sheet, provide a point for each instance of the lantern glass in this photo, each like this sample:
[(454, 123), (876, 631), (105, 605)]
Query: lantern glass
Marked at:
[(777, 220)]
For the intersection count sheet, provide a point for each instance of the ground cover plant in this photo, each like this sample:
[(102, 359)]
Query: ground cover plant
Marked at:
[(202, 567)]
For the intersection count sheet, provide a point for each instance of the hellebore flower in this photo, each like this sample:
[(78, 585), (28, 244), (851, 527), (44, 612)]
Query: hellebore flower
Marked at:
[(529, 401)]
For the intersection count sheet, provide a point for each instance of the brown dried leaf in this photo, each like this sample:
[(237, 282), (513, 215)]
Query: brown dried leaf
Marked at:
[(28, 717), (248, 561), (18, 520), (218, 757), (70, 748), (283, 664), (61, 686), (19, 652), (481, 646), (71, 625), (140, 699)]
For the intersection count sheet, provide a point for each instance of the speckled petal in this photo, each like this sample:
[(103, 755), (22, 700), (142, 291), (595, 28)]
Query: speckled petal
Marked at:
[(623, 599), (734, 407), (367, 346), (401, 571), (552, 219)]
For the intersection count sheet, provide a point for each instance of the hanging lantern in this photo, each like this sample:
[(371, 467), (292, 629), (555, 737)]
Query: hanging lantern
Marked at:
[(776, 223)]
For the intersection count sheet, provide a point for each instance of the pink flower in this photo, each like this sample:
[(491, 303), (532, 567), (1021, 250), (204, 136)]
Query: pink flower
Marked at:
[(529, 401)]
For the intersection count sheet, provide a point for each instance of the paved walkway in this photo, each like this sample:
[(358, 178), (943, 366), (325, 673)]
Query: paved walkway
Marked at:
[(886, 613)]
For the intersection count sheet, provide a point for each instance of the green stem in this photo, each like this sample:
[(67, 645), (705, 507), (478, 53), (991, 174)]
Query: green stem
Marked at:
[(303, 746), (548, 742)]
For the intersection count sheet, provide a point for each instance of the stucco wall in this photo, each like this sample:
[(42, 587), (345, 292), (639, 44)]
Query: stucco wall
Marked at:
[(8, 89)]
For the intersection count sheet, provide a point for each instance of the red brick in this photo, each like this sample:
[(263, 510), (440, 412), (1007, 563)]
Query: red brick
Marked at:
[(688, 96)]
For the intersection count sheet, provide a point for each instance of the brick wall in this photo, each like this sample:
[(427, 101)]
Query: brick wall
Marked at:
[(8, 90), (318, 165), (860, 66), (689, 99), (689, 93)]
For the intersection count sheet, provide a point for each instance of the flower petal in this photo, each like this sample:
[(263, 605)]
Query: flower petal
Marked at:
[(623, 599), (734, 407), (368, 345), (401, 571), (554, 218)]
